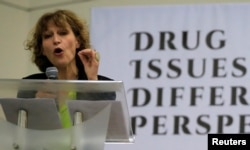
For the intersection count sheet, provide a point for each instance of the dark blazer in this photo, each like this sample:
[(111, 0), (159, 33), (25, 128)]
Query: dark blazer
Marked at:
[(85, 96)]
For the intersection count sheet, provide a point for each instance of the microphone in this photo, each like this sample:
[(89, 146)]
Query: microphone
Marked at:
[(51, 73)]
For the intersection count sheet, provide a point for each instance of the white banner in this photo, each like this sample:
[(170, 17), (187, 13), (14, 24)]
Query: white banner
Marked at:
[(185, 70)]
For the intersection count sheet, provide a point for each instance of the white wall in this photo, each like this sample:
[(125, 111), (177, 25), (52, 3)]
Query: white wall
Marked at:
[(13, 31), (15, 25)]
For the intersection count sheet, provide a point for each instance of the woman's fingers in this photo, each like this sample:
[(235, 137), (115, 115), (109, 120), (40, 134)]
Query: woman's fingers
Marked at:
[(89, 55)]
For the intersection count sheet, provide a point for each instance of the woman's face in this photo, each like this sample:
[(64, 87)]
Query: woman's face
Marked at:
[(59, 45)]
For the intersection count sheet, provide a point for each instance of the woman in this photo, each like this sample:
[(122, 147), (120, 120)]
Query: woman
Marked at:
[(61, 39)]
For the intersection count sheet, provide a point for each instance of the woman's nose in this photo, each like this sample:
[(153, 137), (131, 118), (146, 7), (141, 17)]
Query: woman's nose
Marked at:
[(56, 39)]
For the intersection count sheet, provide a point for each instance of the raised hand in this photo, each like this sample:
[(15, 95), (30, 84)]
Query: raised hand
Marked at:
[(90, 59)]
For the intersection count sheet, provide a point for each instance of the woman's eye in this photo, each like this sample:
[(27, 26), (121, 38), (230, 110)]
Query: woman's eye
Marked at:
[(46, 36), (63, 32)]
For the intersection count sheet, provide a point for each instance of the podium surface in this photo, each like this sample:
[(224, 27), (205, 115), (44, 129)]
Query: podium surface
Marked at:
[(91, 98)]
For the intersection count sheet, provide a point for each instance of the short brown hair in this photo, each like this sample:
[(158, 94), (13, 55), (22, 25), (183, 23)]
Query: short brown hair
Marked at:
[(60, 18)]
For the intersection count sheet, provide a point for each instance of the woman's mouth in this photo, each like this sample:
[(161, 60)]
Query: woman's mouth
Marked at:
[(58, 51)]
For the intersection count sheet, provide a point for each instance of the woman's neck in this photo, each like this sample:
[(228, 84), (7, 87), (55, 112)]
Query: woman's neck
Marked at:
[(68, 73)]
